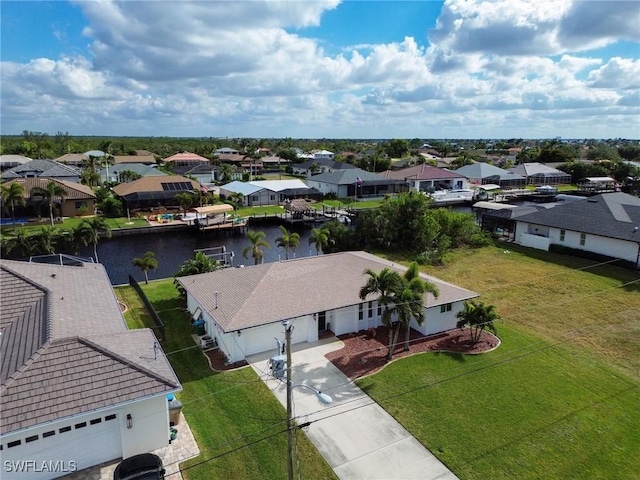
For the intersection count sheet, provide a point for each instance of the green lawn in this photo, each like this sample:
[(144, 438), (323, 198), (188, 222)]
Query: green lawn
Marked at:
[(558, 399), (72, 222), (226, 411)]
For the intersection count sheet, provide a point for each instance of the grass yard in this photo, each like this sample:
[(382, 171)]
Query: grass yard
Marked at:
[(238, 423), (72, 222), (559, 399)]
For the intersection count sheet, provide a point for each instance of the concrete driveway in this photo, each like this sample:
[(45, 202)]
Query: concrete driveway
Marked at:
[(356, 436)]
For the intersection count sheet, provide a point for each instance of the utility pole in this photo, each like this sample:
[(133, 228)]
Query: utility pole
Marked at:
[(287, 330)]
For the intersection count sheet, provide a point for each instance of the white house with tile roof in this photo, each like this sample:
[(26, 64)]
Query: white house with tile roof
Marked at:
[(243, 308), (77, 388)]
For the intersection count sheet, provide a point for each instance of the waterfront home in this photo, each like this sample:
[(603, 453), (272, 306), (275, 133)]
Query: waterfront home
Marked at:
[(243, 308), (541, 174), (151, 192), (607, 224), (43, 168), (483, 173), (355, 182), (78, 388), (267, 192), (425, 178), (322, 165), (186, 158)]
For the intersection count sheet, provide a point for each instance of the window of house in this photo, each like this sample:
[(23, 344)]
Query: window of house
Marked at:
[(583, 238), (379, 310), (562, 232), (445, 308), (255, 198), (360, 311), (370, 310), (80, 205), (273, 197)]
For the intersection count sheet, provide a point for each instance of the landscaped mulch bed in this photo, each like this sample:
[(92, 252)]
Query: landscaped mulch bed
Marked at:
[(363, 354), (219, 362)]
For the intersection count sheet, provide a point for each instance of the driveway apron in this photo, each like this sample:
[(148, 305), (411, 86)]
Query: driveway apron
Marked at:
[(357, 437)]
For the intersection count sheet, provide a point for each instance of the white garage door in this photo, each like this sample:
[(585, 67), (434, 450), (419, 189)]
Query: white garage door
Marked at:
[(53, 453)]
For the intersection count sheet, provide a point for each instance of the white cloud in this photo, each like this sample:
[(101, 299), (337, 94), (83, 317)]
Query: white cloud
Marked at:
[(236, 68)]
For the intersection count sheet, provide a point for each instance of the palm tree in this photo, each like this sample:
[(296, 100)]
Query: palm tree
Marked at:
[(185, 200), (319, 237), (199, 264), (288, 240), (92, 230), (49, 193), (384, 284), (46, 241), (12, 195), (477, 317), (226, 172), (20, 244), (410, 300), (257, 239), (147, 262)]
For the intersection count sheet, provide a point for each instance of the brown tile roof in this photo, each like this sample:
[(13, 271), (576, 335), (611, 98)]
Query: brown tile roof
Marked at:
[(151, 184), (421, 172), (186, 157), (268, 293), (75, 191), (118, 159), (66, 349)]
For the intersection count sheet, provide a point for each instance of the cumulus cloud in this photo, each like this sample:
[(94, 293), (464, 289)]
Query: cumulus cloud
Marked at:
[(247, 69)]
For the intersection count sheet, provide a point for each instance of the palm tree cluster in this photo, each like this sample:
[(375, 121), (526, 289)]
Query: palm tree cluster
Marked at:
[(401, 297), (51, 240), (478, 317)]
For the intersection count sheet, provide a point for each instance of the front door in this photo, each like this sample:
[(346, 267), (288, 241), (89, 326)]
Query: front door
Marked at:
[(322, 321)]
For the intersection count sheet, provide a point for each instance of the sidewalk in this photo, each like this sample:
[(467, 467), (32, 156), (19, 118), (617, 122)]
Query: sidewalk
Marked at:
[(357, 437)]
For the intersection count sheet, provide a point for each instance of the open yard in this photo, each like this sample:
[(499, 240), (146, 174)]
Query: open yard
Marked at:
[(558, 399)]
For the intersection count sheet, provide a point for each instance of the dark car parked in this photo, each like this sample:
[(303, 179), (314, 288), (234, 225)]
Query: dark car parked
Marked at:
[(145, 466)]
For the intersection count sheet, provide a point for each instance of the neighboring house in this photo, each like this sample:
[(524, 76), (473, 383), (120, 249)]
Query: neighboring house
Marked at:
[(78, 389), (243, 308), (323, 155), (78, 200), (151, 192), (541, 174), (274, 163), (355, 182), (11, 161), (316, 167), (114, 172), (242, 162), (424, 178), (266, 192), (606, 224), (205, 173), (186, 158), (226, 150), (43, 168), (144, 159), (74, 159), (483, 173)]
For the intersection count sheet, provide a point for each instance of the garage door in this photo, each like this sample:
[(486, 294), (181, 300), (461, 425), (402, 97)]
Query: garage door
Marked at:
[(88, 441)]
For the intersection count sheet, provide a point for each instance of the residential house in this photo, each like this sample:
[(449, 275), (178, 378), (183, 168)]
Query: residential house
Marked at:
[(267, 192), (205, 173), (483, 173), (43, 168), (113, 173), (74, 159), (315, 167), (323, 155), (78, 199), (355, 182), (156, 191), (242, 162), (540, 174), (607, 224), (186, 158), (10, 161), (78, 388), (243, 308), (225, 151), (424, 178), (132, 159)]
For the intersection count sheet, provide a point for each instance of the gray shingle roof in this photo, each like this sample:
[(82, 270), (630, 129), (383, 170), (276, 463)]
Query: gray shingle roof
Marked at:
[(46, 168), (350, 177), (66, 349), (268, 293), (613, 215)]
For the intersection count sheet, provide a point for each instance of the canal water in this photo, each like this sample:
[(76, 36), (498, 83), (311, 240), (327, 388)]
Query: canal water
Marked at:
[(171, 249)]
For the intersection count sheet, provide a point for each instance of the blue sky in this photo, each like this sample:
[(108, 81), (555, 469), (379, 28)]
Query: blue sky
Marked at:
[(322, 68)]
